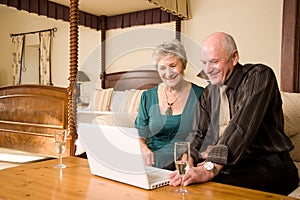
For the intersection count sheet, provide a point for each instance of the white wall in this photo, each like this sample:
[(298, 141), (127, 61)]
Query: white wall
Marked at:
[(126, 49), (255, 24)]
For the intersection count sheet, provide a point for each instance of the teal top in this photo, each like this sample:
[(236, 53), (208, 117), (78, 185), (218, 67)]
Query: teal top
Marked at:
[(161, 131)]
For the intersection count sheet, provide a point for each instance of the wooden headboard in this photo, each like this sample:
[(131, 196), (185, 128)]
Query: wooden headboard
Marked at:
[(136, 79), (29, 116)]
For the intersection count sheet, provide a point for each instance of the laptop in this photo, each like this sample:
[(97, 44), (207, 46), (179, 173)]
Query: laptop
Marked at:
[(114, 153)]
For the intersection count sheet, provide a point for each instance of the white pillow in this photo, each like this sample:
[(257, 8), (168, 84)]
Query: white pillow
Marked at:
[(126, 101), (117, 100)]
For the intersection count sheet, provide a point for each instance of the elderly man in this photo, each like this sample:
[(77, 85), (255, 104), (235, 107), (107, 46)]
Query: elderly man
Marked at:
[(248, 148)]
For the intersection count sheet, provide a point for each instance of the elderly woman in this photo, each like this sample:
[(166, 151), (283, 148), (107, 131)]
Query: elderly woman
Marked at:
[(166, 111)]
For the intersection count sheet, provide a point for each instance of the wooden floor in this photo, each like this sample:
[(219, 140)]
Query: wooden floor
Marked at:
[(12, 158)]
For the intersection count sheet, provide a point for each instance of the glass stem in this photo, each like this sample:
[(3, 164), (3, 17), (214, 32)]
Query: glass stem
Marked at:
[(181, 185), (60, 159)]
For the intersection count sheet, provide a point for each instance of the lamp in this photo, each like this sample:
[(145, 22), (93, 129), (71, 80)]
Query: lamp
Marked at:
[(81, 78)]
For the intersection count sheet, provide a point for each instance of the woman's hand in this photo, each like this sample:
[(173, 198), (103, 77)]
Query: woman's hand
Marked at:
[(148, 155)]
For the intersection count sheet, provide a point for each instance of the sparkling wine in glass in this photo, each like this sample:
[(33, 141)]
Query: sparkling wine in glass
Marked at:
[(60, 146), (181, 158)]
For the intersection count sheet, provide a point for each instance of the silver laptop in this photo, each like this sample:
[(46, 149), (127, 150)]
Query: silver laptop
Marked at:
[(114, 152)]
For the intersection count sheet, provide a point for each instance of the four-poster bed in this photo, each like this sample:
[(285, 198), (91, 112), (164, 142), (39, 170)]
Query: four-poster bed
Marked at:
[(30, 114)]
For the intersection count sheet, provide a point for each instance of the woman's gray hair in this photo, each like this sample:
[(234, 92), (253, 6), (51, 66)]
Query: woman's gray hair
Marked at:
[(170, 49)]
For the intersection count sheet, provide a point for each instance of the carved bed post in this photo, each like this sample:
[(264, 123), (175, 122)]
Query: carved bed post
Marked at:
[(103, 21), (72, 104), (178, 29)]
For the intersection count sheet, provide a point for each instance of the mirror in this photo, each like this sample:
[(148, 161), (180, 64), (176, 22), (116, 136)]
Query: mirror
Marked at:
[(30, 71)]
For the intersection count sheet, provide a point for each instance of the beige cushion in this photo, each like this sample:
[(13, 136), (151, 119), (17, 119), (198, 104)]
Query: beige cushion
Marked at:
[(126, 101), (298, 167), (291, 111), (133, 100), (116, 119), (295, 193), (102, 99), (123, 104)]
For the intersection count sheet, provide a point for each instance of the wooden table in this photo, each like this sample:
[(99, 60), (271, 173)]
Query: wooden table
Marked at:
[(41, 181)]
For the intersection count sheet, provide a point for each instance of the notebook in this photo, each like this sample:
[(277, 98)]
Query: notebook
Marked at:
[(114, 152)]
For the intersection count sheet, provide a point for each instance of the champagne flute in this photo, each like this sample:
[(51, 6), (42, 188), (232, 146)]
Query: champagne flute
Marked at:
[(60, 146), (181, 158)]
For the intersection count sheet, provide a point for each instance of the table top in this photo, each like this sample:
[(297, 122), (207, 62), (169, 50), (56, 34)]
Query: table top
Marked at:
[(40, 180)]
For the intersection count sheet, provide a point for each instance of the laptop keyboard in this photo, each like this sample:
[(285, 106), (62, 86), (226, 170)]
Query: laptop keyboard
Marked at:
[(156, 181), (153, 177), (157, 178)]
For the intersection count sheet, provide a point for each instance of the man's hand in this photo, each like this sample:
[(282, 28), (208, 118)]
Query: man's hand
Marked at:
[(194, 175), (205, 153)]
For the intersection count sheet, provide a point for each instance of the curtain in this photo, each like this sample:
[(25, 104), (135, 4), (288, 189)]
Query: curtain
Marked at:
[(18, 42), (45, 58), (181, 8), (58, 11), (290, 47)]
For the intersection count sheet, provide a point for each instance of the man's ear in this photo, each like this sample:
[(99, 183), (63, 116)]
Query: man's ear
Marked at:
[(235, 57)]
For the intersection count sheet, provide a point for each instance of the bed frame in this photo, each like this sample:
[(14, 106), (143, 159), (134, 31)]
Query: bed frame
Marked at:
[(135, 79), (29, 117)]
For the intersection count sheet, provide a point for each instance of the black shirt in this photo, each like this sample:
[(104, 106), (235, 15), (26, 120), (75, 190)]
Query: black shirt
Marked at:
[(256, 118)]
